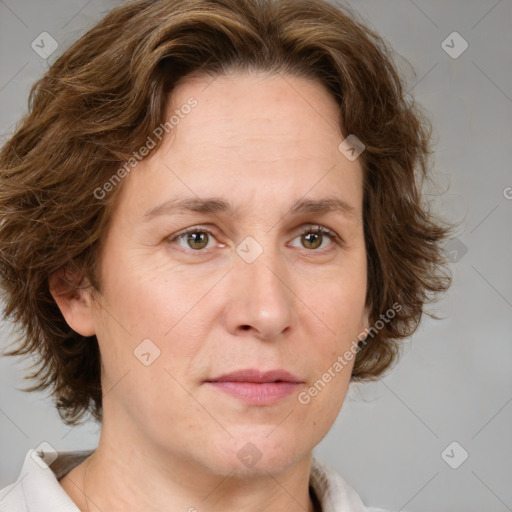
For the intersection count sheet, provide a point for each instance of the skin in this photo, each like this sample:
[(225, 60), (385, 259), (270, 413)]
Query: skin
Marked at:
[(169, 441)]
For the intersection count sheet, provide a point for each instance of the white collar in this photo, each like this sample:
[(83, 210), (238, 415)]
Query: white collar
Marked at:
[(37, 488), (334, 494)]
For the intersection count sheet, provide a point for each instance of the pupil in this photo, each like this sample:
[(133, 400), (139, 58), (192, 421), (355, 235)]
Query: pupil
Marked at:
[(196, 237), (314, 242)]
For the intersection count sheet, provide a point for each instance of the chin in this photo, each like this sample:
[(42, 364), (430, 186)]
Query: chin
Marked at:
[(258, 454)]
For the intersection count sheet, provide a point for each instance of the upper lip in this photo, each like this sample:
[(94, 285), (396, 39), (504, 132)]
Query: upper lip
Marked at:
[(257, 376)]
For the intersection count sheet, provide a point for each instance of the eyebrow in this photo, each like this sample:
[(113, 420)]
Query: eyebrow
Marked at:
[(218, 205)]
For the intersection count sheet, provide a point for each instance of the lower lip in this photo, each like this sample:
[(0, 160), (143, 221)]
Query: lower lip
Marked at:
[(254, 393)]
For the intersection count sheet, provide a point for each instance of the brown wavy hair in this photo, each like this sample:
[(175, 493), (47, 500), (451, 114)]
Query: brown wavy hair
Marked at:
[(99, 101)]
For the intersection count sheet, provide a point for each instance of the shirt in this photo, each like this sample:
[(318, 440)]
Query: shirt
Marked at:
[(37, 488)]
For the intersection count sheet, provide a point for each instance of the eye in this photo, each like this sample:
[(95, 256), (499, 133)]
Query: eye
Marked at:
[(196, 238), (313, 236)]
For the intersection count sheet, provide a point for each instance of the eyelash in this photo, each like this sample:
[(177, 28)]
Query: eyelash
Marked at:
[(317, 230)]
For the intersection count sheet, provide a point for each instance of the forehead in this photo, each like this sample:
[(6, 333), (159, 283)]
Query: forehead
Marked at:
[(254, 137), (265, 111)]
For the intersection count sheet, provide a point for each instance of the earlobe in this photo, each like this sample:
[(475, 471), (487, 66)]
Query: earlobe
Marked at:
[(72, 293)]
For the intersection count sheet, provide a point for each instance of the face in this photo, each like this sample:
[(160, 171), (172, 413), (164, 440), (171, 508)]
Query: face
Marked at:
[(243, 314)]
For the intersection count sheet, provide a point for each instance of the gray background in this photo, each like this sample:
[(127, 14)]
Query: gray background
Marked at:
[(453, 382)]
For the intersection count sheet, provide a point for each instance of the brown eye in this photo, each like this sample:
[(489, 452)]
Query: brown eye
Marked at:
[(312, 240), (195, 238), (312, 237)]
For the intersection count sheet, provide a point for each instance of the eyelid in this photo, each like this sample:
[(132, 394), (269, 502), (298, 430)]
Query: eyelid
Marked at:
[(320, 229)]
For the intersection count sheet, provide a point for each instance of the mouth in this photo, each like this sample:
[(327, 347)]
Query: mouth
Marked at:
[(256, 387)]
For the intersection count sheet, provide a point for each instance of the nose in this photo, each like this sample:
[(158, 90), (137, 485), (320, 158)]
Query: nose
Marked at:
[(261, 300)]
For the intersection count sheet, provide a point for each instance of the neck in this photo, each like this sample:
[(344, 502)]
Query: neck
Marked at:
[(115, 478)]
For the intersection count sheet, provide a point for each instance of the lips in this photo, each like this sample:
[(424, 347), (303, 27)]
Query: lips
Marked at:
[(258, 377), (255, 387)]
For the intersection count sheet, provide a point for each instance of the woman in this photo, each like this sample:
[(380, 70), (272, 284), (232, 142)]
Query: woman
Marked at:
[(212, 224)]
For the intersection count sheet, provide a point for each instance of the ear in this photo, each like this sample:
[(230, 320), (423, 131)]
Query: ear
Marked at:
[(72, 293)]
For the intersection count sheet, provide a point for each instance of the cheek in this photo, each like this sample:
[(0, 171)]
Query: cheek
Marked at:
[(340, 304), (144, 297), (148, 318), (336, 319)]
